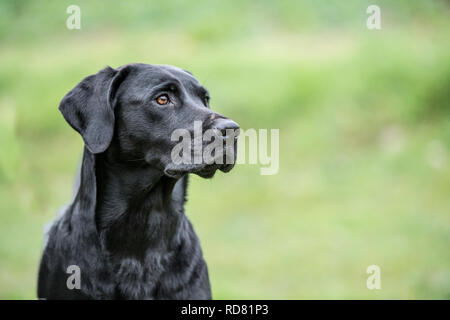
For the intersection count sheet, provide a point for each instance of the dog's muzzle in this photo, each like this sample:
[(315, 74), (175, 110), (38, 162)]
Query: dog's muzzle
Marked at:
[(225, 132)]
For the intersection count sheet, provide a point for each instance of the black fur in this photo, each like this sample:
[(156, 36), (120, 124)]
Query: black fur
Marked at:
[(126, 228)]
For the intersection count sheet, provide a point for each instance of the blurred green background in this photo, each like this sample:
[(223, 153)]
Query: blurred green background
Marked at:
[(364, 119)]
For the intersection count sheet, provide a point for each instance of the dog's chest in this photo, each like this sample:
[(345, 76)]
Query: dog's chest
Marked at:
[(139, 279), (140, 275)]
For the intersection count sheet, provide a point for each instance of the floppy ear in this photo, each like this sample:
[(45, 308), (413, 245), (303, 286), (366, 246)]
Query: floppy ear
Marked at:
[(88, 109)]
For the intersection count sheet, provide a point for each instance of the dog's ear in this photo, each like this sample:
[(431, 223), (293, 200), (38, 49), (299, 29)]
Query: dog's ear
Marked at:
[(88, 108)]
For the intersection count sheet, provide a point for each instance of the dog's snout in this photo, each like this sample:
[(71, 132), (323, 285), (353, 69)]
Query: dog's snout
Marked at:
[(223, 125)]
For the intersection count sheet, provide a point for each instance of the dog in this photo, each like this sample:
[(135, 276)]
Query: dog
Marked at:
[(126, 235)]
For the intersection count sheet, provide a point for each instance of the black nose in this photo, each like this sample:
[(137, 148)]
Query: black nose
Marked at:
[(223, 124)]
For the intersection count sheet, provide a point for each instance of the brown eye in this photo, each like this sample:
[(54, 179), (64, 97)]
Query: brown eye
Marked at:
[(162, 99)]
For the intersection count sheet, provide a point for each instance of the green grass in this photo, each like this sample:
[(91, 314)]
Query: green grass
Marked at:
[(364, 119)]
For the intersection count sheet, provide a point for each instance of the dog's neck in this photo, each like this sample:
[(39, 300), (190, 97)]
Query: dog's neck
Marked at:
[(137, 207)]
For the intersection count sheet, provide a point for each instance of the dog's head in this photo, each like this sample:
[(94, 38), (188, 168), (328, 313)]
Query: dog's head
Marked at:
[(152, 115)]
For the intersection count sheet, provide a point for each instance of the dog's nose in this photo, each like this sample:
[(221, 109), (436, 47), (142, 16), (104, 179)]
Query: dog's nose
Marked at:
[(225, 124)]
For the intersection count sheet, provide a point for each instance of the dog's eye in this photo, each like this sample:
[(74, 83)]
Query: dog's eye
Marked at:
[(162, 99)]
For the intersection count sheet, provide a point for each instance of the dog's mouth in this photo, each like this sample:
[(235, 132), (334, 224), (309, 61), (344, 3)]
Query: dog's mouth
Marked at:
[(223, 159), (204, 171)]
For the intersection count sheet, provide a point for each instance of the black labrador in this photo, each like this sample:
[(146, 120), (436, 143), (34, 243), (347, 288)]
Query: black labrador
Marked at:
[(126, 231)]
